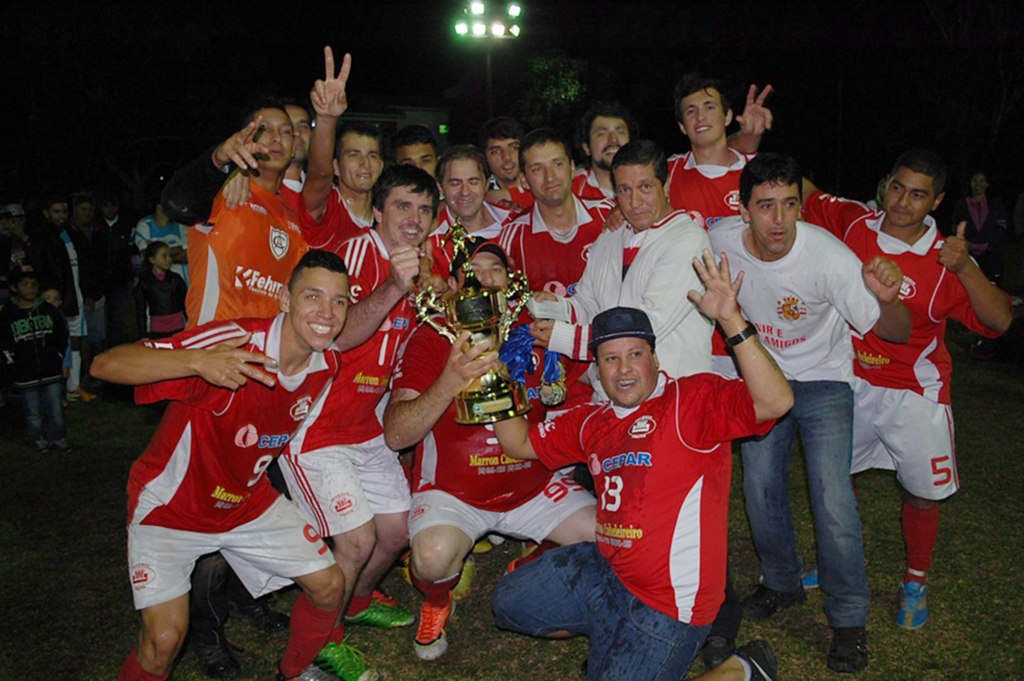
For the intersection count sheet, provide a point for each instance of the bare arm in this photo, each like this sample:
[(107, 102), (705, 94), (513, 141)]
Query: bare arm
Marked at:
[(514, 437), (991, 305), (766, 383), (883, 278), (366, 316), (329, 102), (225, 365), (411, 415)]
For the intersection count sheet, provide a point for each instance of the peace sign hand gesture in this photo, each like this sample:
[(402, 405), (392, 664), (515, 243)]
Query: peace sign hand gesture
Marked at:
[(328, 95)]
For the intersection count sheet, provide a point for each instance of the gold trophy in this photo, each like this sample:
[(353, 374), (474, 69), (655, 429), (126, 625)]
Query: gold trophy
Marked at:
[(485, 313)]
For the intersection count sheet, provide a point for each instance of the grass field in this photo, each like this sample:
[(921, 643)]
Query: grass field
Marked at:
[(66, 610)]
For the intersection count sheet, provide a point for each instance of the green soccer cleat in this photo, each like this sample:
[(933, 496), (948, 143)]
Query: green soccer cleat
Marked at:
[(345, 662)]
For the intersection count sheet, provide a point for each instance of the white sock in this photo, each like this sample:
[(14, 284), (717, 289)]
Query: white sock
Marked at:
[(76, 371)]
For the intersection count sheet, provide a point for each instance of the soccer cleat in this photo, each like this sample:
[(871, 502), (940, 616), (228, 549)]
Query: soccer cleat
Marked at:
[(810, 578), (465, 584), (765, 602), (716, 650), (849, 651), (483, 546), (263, 617), (403, 567), (84, 394), (310, 673), (913, 610), (383, 612), (761, 658), (216, 661), (345, 662), (40, 446), (431, 641)]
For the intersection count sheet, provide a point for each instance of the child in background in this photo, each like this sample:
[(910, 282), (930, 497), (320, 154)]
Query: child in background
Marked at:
[(34, 340), (161, 293), (52, 295)]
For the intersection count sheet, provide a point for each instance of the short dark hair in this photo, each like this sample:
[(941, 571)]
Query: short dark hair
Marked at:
[(607, 110), (415, 180), (462, 152), (927, 163), (300, 104), (641, 153), (152, 248), (316, 258), (52, 200), (414, 134), (262, 102), (78, 199), (500, 128), (540, 136), (777, 169), (361, 129), (20, 273), (694, 82)]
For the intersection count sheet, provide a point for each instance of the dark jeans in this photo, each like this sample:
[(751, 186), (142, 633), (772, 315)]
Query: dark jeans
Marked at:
[(44, 398)]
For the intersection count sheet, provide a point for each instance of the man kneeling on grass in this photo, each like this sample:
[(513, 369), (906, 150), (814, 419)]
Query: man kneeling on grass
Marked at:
[(199, 487), (647, 591)]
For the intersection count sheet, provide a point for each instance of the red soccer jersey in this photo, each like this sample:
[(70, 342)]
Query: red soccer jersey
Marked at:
[(466, 461), (203, 469), (707, 193), (550, 264), (347, 414), (662, 472), (585, 186), (443, 251), (336, 226), (930, 291), (240, 260)]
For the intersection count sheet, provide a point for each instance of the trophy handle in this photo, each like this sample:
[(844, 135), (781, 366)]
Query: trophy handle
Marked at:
[(517, 284), (427, 303)]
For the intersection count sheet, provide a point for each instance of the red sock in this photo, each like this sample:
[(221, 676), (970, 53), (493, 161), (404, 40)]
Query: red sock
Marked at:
[(310, 628), (919, 531), (358, 604), (541, 549), (131, 670), (337, 634), (439, 594)]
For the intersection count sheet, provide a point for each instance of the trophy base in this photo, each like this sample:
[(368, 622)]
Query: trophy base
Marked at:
[(491, 404)]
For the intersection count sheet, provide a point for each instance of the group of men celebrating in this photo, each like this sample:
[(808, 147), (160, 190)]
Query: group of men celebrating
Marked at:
[(303, 342)]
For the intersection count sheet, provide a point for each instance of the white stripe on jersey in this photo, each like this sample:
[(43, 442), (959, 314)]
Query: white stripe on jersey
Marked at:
[(684, 574), (211, 289), (213, 336), (428, 463), (927, 374), (160, 490)]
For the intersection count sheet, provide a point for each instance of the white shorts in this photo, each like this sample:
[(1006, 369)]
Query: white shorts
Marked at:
[(341, 488), (265, 554), (906, 432), (535, 519), (76, 325)]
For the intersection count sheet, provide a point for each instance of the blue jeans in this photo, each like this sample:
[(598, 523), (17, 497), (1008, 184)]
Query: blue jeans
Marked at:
[(574, 589), (823, 411), (44, 398)]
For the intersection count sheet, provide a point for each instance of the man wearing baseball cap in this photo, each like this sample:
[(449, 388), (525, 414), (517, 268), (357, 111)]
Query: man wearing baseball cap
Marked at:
[(647, 591)]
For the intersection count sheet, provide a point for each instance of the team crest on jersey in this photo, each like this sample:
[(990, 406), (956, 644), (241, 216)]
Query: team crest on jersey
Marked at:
[(142, 576), (301, 408), (585, 253), (732, 199), (343, 504), (418, 511), (908, 289), (246, 436), (642, 427), (278, 242), (791, 309), (593, 464)]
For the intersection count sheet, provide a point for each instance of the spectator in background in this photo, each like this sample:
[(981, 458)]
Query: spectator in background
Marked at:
[(160, 295), (160, 227), (415, 145), (986, 226), (92, 244), (120, 250)]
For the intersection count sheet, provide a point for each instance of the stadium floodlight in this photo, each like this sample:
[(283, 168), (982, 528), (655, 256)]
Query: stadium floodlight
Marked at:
[(479, 29), (497, 29), (514, 10), (461, 28), (476, 8), (514, 30)]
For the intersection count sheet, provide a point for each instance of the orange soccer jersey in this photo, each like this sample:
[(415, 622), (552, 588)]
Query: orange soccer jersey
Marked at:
[(240, 260)]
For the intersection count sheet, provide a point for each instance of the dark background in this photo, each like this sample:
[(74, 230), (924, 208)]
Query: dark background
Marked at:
[(117, 96)]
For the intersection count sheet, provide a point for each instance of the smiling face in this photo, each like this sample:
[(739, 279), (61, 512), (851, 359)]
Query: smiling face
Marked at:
[(488, 269), (359, 162), (607, 135), (909, 198), (503, 158), (641, 196), (406, 218), (57, 214), (279, 138), (549, 173), (628, 370), (704, 117), (771, 214), (464, 188), (316, 306)]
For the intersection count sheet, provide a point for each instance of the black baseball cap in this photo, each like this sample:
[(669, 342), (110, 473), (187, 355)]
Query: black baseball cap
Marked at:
[(620, 322), (474, 246)]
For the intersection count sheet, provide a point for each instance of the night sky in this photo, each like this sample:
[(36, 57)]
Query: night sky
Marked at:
[(119, 95)]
